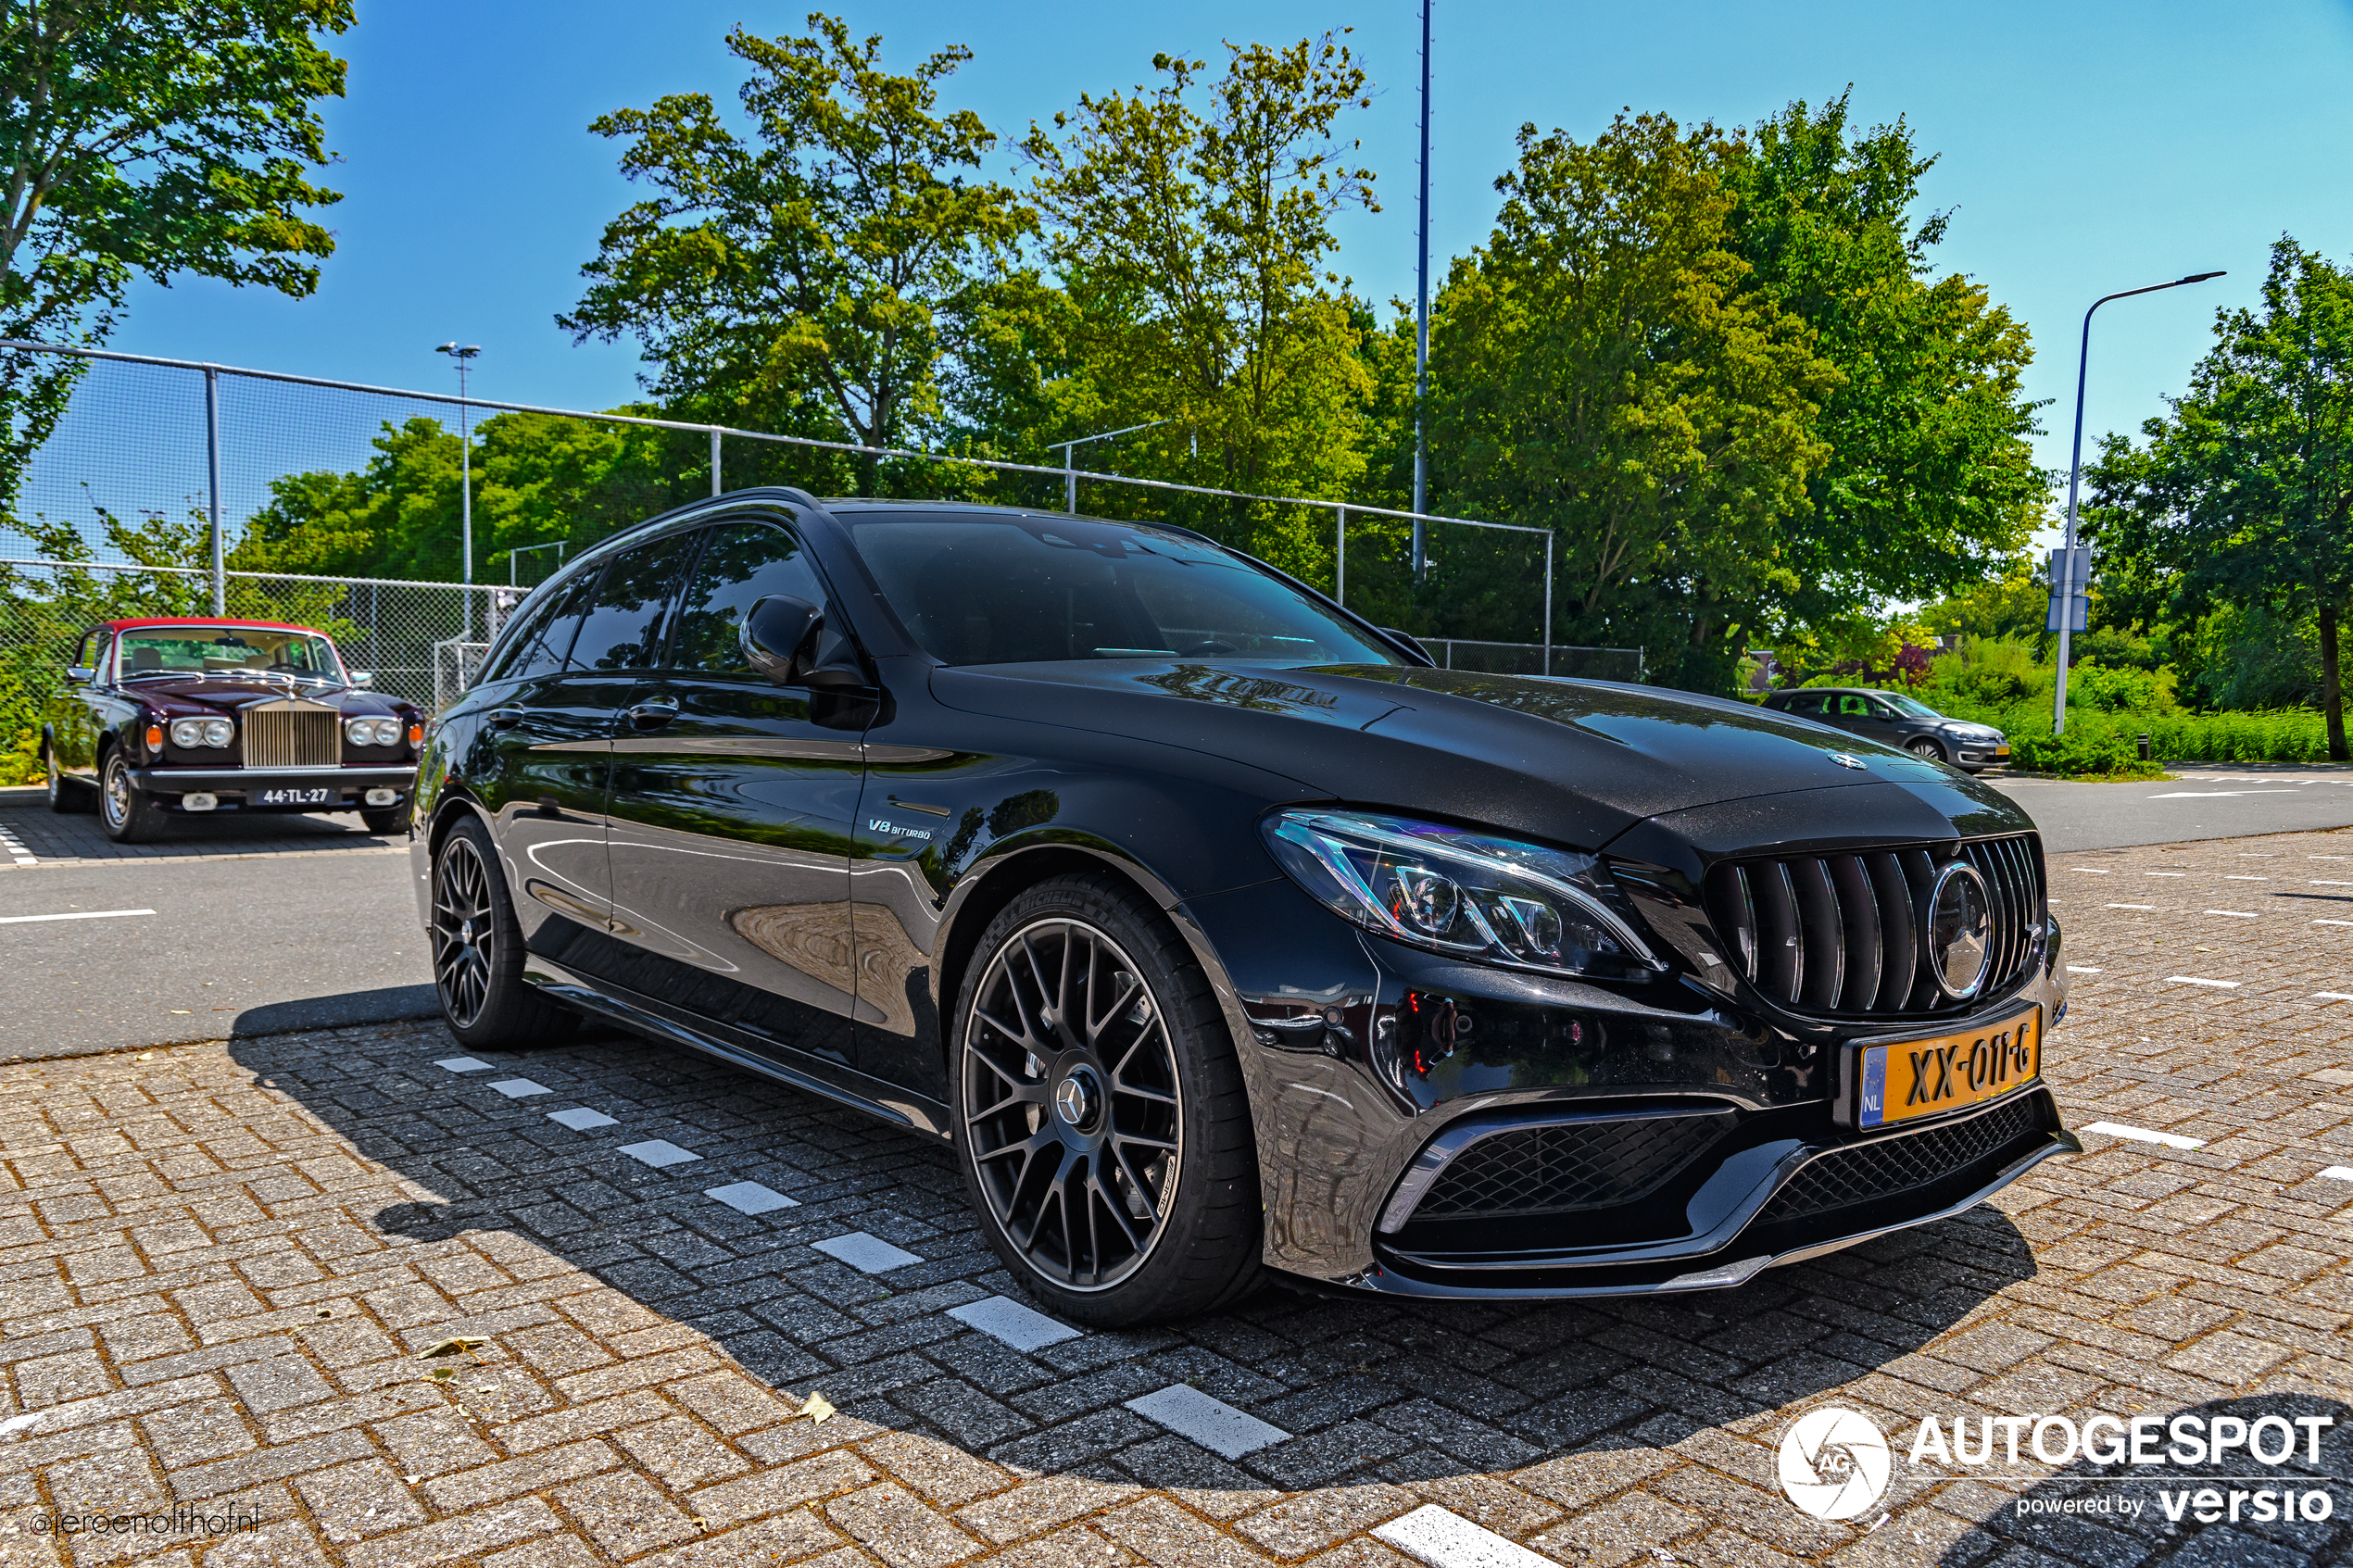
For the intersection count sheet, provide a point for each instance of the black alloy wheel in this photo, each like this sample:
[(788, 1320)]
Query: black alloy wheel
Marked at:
[(129, 814), (478, 953), (1101, 1114), (1923, 747)]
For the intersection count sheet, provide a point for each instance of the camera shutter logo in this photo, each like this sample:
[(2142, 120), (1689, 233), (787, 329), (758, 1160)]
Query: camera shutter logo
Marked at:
[(1834, 1462)]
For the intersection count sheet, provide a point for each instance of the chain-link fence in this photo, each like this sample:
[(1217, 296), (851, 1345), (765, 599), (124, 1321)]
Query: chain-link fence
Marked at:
[(406, 522)]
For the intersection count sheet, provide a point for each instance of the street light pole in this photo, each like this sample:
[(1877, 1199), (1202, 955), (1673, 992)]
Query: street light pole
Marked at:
[(1421, 328), (463, 354), (2063, 581)]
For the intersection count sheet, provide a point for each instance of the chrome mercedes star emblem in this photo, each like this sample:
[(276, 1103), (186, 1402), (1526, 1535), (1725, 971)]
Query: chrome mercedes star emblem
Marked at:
[(1845, 760), (1960, 929), (1075, 1100)]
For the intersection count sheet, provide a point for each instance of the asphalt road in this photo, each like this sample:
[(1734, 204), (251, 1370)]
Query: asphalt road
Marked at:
[(2201, 801), (313, 928)]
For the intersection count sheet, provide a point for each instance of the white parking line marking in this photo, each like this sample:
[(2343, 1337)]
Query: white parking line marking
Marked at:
[(2324, 882), (2079, 871), (2194, 980), (867, 1254), (521, 1088), (462, 1064), (659, 1153), (16, 849), (2132, 906), (2235, 914), (78, 915), (17, 1424), (2239, 876), (1443, 1539), (2205, 794), (2165, 874), (2333, 922), (2079, 969), (1001, 1317), (1214, 1423), (750, 1198), (2333, 996), (2340, 1172), (580, 1118), (2141, 1134)]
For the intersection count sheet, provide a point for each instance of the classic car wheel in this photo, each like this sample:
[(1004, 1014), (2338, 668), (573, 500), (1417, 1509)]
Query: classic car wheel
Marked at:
[(130, 815), (1102, 1123), (477, 951), (1926, 748), (67, 796)]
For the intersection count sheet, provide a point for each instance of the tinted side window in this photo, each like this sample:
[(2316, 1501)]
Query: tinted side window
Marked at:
[(1855, 707), (742, 564), (625, 626), (539, 646)]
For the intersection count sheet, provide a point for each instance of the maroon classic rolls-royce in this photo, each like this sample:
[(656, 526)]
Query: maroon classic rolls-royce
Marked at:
[(170, 716)]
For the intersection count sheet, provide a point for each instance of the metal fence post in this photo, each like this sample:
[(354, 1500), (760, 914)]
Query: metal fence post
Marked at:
[(1548, 601), (714, 459), (1339, 558), (212, 486)]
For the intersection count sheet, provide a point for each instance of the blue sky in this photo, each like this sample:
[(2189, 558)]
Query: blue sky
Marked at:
[(2085, 148)]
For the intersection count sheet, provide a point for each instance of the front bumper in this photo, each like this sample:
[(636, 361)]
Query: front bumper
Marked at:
[(1353, 1129), (243, 787)]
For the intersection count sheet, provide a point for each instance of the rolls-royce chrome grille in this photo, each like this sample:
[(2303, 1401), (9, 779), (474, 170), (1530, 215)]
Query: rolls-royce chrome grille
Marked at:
[(293, 735), (1847, 934)]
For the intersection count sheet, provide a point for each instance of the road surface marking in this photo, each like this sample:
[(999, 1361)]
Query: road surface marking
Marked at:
[(2340, 1172), (1443, 1539), (2087, 871), (1214, 1423), (2194, 980), (2242, 876), (659, 1153), (2079, 969), (580, 1118), (15, 851), (521, 1088), (2141, 1134), (867, 1254), (750, 1198), (462, 1064), (2165, 874), (2212, 794), (2132, 906), (78, 915), (2333, 996), (1002, 1318), (2325, 881), (2235, 914), (2333, 922)]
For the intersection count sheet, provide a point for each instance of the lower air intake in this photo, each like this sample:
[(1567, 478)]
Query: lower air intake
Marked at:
[(1886, 1167), (1559, 1168)]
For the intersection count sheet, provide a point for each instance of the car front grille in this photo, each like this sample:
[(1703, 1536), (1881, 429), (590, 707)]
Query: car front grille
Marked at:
[(1574, 1165), (1888, 1166), (1843, 933), (292, 734)]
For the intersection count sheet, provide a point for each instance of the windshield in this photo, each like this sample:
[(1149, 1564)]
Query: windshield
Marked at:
[(227, 651), (1911, 708), (1008, 590)]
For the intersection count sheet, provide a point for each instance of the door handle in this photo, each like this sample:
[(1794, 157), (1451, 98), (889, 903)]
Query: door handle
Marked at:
[(652, 715), (504, 718)]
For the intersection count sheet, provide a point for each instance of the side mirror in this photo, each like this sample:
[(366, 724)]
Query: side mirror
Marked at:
[(776, 632), (363, 677), (1405, 640), (81, 673)]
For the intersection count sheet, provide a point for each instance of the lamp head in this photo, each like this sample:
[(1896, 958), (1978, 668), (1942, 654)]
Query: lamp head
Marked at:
[(2201, 277), (459, 351)]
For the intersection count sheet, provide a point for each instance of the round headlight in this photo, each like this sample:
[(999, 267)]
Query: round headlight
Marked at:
[(361, 732), (388, 732), (216, 732), (187, 733)]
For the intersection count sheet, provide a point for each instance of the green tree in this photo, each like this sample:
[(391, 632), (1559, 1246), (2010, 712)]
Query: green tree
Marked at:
[(1190, 225), (155, 138), (1598, 367), (1928, 482), (2246, 490), (803, 276)]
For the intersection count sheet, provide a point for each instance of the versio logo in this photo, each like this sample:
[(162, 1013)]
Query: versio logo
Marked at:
[(1834, 1462)]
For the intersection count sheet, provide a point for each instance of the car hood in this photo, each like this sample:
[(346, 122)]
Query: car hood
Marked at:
[(217, 695), (1575, 761)]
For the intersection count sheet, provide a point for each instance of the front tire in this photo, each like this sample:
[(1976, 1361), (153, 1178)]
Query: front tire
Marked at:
[(478, 952), (1923, 747), (1102, 1127), (129, 814)]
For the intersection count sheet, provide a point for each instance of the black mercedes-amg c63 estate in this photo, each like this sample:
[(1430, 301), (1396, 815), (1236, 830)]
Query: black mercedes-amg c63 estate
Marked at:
[(1218, 930)]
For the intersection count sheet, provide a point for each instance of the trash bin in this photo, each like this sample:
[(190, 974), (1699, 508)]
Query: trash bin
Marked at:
[(2145, 748)]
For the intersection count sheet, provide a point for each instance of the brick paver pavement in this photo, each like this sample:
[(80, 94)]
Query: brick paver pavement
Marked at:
[(224, 1265)]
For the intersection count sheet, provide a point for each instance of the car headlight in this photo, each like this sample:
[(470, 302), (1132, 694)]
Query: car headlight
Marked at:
[(1491, 900), (373, 731), (190, 733)]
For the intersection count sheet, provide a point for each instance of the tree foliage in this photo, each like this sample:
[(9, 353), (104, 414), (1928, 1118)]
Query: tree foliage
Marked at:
[(804, 277), (2242, 493), (152, 138)]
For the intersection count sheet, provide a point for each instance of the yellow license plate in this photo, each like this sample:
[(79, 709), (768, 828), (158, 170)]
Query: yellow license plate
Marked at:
[(1913, 1078)]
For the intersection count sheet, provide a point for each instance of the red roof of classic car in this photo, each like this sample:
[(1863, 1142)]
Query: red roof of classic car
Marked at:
[(208, 620)]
